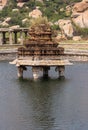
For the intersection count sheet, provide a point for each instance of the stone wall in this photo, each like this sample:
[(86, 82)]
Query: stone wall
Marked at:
[(7, 56)]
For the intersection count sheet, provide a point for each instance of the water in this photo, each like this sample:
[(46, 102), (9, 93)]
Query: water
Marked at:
[(44, 105)]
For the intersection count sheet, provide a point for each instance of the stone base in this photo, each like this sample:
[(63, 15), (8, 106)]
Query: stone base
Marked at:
[(61, 71), (20, 72)]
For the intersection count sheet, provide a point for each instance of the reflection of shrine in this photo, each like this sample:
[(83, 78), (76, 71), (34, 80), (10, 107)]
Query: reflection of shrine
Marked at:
[(42, 107), (41, 52)]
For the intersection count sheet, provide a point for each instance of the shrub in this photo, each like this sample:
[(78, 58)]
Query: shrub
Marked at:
[(38, 21)]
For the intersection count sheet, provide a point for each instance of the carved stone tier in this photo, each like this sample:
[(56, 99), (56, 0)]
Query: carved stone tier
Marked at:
[(29, 62)]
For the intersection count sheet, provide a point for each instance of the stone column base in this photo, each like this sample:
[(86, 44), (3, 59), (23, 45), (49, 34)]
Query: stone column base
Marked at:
[(61, 71), (35, 71), (20, 72)]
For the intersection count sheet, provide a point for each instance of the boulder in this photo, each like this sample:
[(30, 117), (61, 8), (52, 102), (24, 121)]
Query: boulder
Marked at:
[(4, 24), (66, 27), (35, 13), (77, 38), (85, 1), (15, 10), (24, 20), (15, 27), (68, 10), (80, 14), (80, 6), (3, 2), (1, 7), (81, 20), (20, 4), (61, 9), (60, 38), (8, 19)]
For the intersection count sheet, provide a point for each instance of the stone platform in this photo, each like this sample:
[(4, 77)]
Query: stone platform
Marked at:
[(40, 65), (27, 62)]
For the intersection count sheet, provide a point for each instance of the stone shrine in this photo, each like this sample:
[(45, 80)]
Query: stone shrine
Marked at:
[(40, 51)]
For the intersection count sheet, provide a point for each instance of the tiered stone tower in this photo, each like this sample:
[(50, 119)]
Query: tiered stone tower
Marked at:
[(41, 52), (40, 45)]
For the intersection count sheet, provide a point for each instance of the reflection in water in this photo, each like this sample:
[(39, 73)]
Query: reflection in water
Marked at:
[(41, 103), (44, 105), (41, 95)]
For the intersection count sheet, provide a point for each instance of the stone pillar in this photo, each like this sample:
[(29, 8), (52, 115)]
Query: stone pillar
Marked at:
[(35, 71), (1, 39), (45, 71), (10, 38), (25, 35), (61, 70), (15, 37), (21, 37), (20, 72)]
